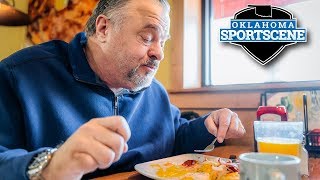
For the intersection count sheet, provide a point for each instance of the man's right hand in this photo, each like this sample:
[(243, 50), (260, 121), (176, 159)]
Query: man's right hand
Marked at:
[(96, 144)]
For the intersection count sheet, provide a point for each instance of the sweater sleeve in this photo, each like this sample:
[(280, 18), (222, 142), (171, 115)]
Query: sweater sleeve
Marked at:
[(13, 160), (190, 135), (14, 163)]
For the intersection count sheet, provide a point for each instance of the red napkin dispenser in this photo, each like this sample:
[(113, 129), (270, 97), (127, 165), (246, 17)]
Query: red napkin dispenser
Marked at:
[(272, 113)]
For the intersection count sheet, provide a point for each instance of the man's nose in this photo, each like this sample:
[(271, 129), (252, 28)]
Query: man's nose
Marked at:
[(156, 51)]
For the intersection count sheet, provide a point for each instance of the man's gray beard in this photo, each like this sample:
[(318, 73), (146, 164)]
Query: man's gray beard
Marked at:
[(140, 82)]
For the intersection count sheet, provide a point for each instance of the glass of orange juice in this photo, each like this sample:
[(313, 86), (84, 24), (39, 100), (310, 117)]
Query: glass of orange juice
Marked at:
[(283, 137)]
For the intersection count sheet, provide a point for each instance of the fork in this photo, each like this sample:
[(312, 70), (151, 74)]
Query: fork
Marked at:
[(209, 148)]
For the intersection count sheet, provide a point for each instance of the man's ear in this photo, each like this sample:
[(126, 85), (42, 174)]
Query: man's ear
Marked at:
[(102, 27)]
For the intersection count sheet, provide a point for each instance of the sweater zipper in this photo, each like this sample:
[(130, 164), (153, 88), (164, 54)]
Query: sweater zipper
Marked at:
[(115, 106)]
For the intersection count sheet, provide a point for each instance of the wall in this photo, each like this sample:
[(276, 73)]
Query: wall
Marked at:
[(13, 38)]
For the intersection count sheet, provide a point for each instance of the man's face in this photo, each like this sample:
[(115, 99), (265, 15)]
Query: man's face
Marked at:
[(133, 50)]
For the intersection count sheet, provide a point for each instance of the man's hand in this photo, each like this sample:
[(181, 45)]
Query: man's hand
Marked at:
[(96, 144), (224, 124)]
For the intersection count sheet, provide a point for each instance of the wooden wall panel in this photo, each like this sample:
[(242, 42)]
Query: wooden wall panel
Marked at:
[(177, 33), (242, 100)]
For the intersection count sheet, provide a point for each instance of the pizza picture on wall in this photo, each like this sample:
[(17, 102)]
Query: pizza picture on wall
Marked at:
[(57, 19)]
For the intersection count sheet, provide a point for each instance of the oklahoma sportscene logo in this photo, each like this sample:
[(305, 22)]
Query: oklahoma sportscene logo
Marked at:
[(263, 31)]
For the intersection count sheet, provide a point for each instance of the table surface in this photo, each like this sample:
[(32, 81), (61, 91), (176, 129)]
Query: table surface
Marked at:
[(224, 151)]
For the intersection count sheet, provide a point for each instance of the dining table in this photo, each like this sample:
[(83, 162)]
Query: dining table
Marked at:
[(224, 152)]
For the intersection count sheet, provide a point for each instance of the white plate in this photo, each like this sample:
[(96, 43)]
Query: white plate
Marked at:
[(147, 170)]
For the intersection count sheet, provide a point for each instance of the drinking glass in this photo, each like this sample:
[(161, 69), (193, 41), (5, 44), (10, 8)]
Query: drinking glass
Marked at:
[(283, 137)]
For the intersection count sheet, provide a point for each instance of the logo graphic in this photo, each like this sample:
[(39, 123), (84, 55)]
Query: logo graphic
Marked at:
[(263, 31)]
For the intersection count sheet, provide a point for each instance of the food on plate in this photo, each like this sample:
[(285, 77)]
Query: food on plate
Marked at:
[(195, 169)]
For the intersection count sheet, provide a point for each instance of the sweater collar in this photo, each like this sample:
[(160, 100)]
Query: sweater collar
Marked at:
[(80, 67)]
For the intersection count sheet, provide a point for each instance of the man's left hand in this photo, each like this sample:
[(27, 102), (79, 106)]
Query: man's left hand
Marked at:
[(224, 124)]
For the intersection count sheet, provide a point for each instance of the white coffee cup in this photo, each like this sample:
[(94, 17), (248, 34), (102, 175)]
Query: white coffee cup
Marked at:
[(269, 166)]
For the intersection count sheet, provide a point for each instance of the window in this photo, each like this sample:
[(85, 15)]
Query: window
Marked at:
[(225, 64)]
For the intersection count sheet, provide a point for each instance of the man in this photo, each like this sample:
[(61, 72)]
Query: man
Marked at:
[(97, 95)]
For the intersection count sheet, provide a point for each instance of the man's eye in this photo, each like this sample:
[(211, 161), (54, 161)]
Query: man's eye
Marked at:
[(147, 39)]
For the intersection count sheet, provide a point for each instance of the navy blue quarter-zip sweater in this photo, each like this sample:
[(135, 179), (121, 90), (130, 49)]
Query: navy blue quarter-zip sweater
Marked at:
[(48, 91)]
